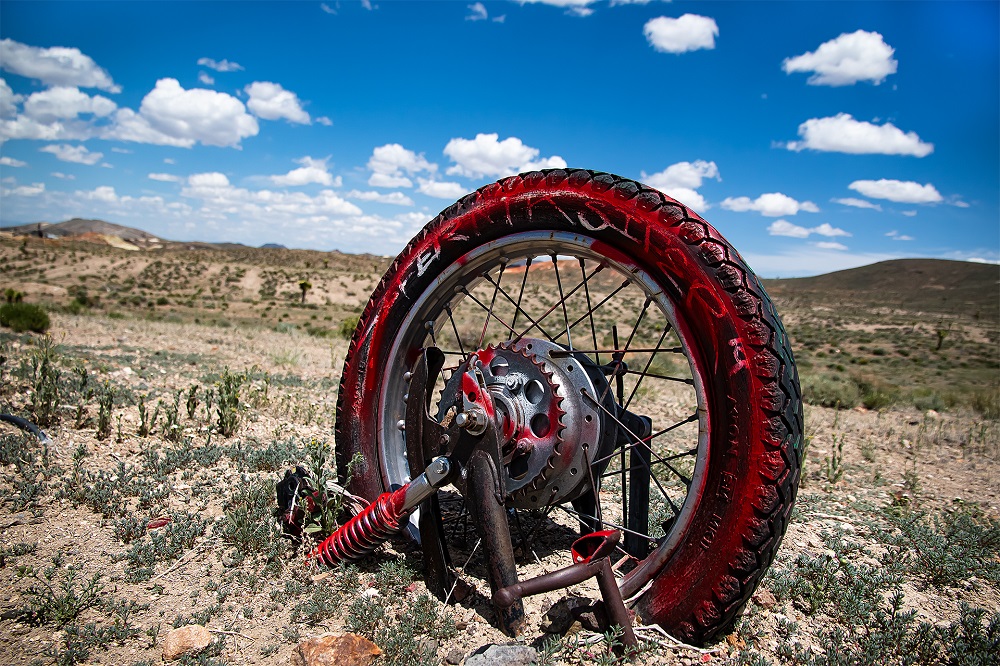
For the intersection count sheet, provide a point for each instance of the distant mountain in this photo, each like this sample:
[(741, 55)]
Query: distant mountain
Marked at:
[(273, 246), (87, 230), (928, 285)]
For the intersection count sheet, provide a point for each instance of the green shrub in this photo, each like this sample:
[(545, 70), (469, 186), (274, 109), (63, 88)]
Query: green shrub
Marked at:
[(829, 390), (24, 317), (348, 325)]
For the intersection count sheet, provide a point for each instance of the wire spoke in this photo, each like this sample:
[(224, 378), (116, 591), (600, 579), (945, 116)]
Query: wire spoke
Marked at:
[(520, 294), (590, 311), (454, 327), (646, 369), (626, 282), (493, 302), (489, 311), (561, 301), (519, 309), (690, 419)]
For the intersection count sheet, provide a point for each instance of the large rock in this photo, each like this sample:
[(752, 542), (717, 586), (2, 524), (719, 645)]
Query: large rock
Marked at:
[(335, 650), (504, 655), (191, 640)]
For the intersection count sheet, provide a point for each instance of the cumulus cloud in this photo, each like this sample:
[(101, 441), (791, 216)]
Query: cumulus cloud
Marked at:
[(487, 156), (786, 228), (220, 65), (62, 102), (205, 79), (272, 102), (77, 154), (63, 176), (830, 245), (11, 162), (220, 199), (104, 194), (56, 66), (311, 171), (170, 115), (388, 164), (477, 12), (441, 189), (690, 32), (32, 190), (857, 203), (8, 100), (395, 198), (851, 57), (843, 134), (165, 177), (681, 180), (896, 236), (897, 190), (772, 204)]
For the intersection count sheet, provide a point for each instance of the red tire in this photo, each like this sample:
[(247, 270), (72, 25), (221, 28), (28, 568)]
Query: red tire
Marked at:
[(745, 433)]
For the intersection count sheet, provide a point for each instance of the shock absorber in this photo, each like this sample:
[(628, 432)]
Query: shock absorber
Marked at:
[(381, 519)]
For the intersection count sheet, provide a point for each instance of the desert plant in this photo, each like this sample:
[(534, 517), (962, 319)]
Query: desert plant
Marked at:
[(228, 408), (105, 404), (24, 317), (56, 599), (45, 382)]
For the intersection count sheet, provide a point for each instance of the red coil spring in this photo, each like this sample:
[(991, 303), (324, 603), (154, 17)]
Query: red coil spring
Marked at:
[(365, 532)]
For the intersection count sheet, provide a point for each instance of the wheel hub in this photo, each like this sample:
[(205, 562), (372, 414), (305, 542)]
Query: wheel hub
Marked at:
[(550, 432)]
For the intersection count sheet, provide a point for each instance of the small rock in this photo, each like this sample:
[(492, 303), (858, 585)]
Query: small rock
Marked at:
[(335, 650), (189, 640), (229, 560), (764, 598), (454, 657), (504, 655)]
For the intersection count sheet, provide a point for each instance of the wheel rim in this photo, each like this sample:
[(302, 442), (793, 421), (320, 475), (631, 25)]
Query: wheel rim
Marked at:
[(564, 288)]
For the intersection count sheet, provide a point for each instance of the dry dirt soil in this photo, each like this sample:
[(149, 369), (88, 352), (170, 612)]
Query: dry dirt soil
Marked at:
[(894, 500)]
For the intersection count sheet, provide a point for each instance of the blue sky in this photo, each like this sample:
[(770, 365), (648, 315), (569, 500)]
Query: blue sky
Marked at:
[(815, 136)]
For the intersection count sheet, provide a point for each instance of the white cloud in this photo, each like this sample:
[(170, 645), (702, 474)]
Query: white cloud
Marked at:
[(61, 102), (858, 203), (311, 171), (165, 177), (388, 180), (220, 200), (909, 213), (981, 260), (829, 231), (327, 8), (32, 190), (578, 8), (220, 65), (843, 134), (56, 66), (8, 100), (205, 79), (170, 115), (389, 162), (897, 190), (477, 12), (690, 32), (772, 204), (11, 162), (486, 156), (786, 228), (63, 176), (271, 102), (681, 181), (104, 194), (851, 57), (441, 189), (896, 236), (76, 154), (829, 245), (323, 120), (395, 198)]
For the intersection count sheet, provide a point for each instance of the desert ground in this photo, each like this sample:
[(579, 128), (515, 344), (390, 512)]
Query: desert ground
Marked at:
[(178, 385)]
